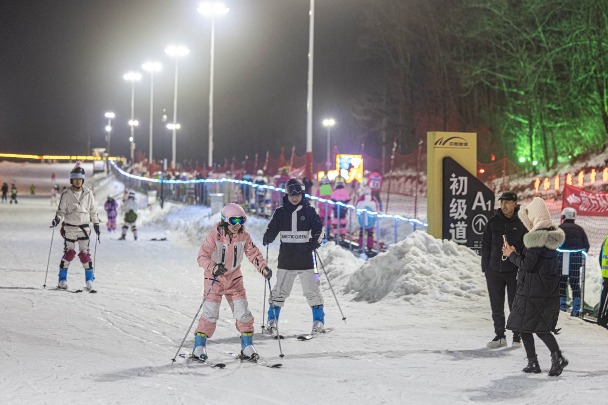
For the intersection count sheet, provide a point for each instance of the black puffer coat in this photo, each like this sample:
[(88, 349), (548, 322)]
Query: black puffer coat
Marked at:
[(491, 242), (536, 305)]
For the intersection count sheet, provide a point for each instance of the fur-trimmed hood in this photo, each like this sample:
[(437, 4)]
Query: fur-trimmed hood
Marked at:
[(550, 238)]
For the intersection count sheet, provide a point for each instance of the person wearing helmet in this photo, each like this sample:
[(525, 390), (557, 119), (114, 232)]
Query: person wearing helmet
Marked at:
[(77, 208), (129, 209), (220, 256), (339, 195), (260, 193), (324, 191), (301, 232), (367, 204), (570, 260), (111, 208), (374, 182)]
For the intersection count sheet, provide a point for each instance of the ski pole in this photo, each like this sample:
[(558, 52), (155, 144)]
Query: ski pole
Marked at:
[(194, 319), (264, 302), (274, 309), (330, 287), (49, 259)]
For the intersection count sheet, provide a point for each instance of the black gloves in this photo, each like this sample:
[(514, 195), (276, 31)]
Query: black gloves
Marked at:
[(96, 227), (267, 272), (266, 241), (314, 243), (56, 221), (219, 270)]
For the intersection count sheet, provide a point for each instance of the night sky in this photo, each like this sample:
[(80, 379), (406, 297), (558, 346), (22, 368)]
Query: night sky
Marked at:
[(63, 61)]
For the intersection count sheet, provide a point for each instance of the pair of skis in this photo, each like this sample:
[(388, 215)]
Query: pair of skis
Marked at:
[(91, 291), (237, 356), (304, 337)]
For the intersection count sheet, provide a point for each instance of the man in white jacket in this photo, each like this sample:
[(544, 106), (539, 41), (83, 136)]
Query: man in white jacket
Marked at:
[(77, 209)]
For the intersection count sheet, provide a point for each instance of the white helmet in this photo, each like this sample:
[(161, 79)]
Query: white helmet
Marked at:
[(260, 172), (568, 213)]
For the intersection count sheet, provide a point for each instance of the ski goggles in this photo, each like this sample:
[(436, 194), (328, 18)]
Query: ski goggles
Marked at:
[(237, 220), (294, 189)]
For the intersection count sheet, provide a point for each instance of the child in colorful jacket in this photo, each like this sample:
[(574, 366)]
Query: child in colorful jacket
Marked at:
[(220, 256)]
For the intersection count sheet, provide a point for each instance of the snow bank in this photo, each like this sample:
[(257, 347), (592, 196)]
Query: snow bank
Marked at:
[(421, 270)]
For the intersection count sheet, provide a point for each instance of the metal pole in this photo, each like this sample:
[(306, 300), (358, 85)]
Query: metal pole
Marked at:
[(211, 72), (132, 121), (311, 47), (49, 259), (150, 157), (174, 130), (328, 164)]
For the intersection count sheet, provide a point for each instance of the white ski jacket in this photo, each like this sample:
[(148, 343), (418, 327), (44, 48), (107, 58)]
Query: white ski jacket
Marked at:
[(77, 211)]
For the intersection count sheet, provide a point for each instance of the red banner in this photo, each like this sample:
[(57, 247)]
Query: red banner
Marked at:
[(584, 202)]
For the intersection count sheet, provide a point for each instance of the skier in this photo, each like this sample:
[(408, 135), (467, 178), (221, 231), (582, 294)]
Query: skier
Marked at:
[(570, 260), (324, 192), (13, 193), (301, 232), (220, 256), (602, 316), (260, 193), (339, 220), (54, 194), (33, 189), (279, 182), (374, 182), (366, 221), (536, 305), (501, 274), (130, 216), (77, 209), (111, 208), (4, 192)]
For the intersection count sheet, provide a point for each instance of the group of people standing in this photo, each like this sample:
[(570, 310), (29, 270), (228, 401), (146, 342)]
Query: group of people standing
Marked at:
[(13, 190), (526, 255)]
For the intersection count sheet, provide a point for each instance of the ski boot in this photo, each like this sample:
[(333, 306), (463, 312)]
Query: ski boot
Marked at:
[(63, 279), (273, 319), (563, 306), (533, 366), (318, 319), (558, 362), (247, 350), (200, 347), (89, 277)]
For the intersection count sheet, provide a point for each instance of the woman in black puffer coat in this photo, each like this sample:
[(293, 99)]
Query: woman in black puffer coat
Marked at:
[(536, 305)]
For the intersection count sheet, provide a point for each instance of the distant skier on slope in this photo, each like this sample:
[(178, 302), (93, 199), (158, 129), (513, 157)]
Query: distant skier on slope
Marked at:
[(220, 256), (301, 232), (77, 209), (111, 208), (129, 209), (366, 221)]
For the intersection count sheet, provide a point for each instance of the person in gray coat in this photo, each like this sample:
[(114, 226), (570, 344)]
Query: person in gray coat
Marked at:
[(536, 305)]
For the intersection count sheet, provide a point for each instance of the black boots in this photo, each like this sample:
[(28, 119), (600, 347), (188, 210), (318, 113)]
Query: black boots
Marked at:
[(558, 362), (532, 366)]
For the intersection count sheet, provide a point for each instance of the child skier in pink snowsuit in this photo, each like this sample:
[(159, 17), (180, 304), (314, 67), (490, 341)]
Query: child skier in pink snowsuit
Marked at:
[(220, 256)]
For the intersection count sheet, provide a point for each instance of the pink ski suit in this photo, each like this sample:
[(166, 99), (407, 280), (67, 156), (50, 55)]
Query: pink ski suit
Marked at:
[(228, 249)]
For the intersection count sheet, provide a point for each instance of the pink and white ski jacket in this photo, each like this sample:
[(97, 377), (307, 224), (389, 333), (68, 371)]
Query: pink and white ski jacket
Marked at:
[(228, 249)]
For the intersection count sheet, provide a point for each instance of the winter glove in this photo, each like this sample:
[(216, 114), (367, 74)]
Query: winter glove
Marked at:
[(96, 227), (56, 221), (219, 270), (314, 244), (266, 241), (267, 272)]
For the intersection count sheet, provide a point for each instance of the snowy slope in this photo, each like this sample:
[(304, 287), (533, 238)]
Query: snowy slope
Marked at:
[(417, 322)]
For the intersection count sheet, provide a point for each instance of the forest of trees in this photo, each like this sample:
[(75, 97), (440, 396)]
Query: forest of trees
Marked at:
[(529, 76)]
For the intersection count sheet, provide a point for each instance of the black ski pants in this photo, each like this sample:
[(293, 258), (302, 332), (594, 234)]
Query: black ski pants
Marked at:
[(602, 316), (497, 283)]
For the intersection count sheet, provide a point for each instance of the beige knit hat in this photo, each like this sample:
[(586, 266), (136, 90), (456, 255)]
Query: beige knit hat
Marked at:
[(536, 215)]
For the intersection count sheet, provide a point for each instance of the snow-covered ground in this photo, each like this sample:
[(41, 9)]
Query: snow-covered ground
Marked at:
[(417, 321)]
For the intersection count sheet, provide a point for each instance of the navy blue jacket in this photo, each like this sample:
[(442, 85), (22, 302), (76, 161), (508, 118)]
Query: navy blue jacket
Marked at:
[(491, 242), (298, 225)]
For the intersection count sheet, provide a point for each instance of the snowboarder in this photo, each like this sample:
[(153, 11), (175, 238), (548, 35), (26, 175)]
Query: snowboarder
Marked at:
[(570, 260), (220, 256), (301, 232), (536, 304), (500, 273), (129, 209), (77, 209), (111, 208), (4, 192), (13, 193), (367, 221)]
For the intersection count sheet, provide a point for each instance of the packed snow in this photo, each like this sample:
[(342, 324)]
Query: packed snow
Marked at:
[(417, 321)]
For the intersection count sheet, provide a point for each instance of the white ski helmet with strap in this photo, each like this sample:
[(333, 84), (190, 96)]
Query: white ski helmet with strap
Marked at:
[(568, 213)]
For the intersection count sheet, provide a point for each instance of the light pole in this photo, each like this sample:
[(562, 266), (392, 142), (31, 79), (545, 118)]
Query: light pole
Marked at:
[(132, 77), (212, 9), (175, 51), (109, 115), (151, 67), (328, 123)]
